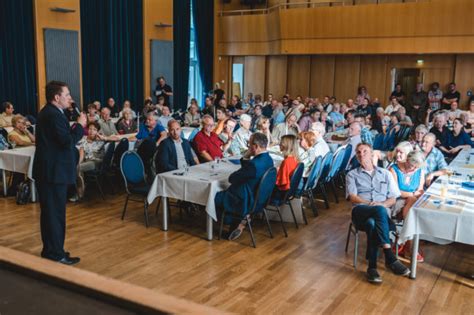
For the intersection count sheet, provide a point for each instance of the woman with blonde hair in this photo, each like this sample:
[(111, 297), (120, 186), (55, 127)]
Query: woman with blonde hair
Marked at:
[(410, 177), (289, 150), (20, 135)]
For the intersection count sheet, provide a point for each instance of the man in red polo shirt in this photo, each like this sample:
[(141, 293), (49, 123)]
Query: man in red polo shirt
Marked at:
[(207, 144)]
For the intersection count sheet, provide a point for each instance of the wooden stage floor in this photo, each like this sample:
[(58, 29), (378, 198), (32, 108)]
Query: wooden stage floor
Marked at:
[(308, 272)]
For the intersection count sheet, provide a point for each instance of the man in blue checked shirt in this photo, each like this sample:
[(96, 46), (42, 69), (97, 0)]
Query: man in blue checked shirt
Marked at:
[(435, 164)]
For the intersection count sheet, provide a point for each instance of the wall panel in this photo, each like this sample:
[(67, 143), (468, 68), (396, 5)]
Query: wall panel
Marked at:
[(322, 76), (464, 76), (373, 70), (254, 75), (276, 75), (298, 75), (346, 78)]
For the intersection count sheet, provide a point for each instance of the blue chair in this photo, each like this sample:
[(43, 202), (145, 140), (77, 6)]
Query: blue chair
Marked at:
[(290, 195), (193, 134), (262, 196), (133, 172), (326, 166), (334, 170), (120, 149), (378, 141), (311, 183), (96, 176)]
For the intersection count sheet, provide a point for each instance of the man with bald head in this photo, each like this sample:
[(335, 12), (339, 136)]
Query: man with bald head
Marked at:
[(435, 164), (174, 152)]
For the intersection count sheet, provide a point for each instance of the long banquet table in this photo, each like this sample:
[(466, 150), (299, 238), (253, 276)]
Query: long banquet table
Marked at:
[(441, 218), (199, 186), (18, 160)]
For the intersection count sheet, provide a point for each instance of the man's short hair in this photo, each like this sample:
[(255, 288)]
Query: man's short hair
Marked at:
[(430, 135), (103, 109), (363, 143), (93, 123), (421, 128), (54, 88), (171, 122), (150, 114), (6, 105), (245, 117), (259, 139)]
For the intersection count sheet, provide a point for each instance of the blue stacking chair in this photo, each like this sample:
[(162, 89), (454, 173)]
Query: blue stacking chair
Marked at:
[(326, 166), (311, 183), (133, 172), (290, 195), (96, 176), (334, 170), (262, 196), (378, 141)]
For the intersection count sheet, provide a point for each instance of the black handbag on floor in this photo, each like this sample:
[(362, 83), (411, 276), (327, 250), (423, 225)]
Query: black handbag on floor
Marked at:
[(23, 193)]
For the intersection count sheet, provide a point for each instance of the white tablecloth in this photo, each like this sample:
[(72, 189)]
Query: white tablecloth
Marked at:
[(450, 218), (199, 186), (18, 160)]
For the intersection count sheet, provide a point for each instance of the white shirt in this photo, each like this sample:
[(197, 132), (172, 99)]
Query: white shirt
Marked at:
[(180, 157), (321, 148)]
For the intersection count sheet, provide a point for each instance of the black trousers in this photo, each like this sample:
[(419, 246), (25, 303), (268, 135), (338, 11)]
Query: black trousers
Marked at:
[(52, 198)]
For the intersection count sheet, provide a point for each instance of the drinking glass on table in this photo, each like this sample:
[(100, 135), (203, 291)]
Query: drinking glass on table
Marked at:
[(185, 168), (450, 173), (13, 144)]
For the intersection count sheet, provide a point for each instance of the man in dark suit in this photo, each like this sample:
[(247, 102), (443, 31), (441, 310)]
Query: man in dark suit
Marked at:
[(239, 197), (174, 152), (54, 168)]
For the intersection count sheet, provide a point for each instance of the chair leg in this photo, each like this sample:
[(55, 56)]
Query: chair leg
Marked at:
[(145, 208), (125, 207), (348, 236), (222, 225), (249, 223), (313, 204), (325, 196), (293, 214), (99, 186), (356, 248), (268, 223), (281, 221), (303, 213), (333, 185)]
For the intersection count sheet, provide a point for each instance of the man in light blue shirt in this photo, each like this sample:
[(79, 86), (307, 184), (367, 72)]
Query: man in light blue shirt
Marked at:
[(435, 164), (372, 190)]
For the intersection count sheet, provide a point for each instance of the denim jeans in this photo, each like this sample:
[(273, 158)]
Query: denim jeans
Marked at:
[(374, 221)]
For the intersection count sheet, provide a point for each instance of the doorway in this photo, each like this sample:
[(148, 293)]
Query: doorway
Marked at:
[(408, 78)]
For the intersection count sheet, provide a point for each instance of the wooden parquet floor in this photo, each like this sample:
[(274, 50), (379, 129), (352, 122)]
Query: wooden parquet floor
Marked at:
[(308, 272)]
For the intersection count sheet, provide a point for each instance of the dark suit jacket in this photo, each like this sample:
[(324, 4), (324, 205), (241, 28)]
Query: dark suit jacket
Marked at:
[(167, 158), (55, 157), (239, 197)]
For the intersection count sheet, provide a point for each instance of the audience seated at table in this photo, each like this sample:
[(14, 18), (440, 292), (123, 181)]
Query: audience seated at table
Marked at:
[(289, 127), (91, 152), (263, 126), (165, 116), (241, 137), (409, 175), (289, 150), (307, 150), (372, 191), (107, 126), (20, 135), (174, 152), (455, 140), (151, 130), (417, 139), (439, 129), (7, 115), (207, 144), (127, 124), (435, 163), (127, 106), (227, 134), (320, 145), (192, 118), (239, 197)]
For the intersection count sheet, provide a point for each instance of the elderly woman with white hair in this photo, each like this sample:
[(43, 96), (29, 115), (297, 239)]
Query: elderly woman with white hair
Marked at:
[(127, 124), (420, 132), (321, 148), (410, 177), (240, 141)]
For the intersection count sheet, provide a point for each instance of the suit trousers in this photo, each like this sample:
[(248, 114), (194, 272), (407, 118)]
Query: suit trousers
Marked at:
[(53, 198)]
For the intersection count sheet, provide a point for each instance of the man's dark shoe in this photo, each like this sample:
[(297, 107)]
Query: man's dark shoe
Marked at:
[(373, 276), (399, 269), (235, 234), (69, 260)]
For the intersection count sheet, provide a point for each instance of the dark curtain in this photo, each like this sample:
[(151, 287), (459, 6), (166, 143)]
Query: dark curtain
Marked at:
[(181, 37), (17, 56), (203, 14), (112, 51)]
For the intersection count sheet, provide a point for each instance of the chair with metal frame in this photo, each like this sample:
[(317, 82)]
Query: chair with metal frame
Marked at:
[(96, 176), (262, 196), (326, 166), (312, 182), (290, 195), (133, 172)]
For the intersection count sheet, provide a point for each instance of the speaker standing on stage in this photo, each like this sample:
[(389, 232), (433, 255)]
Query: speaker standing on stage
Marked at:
[(54, 168)]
